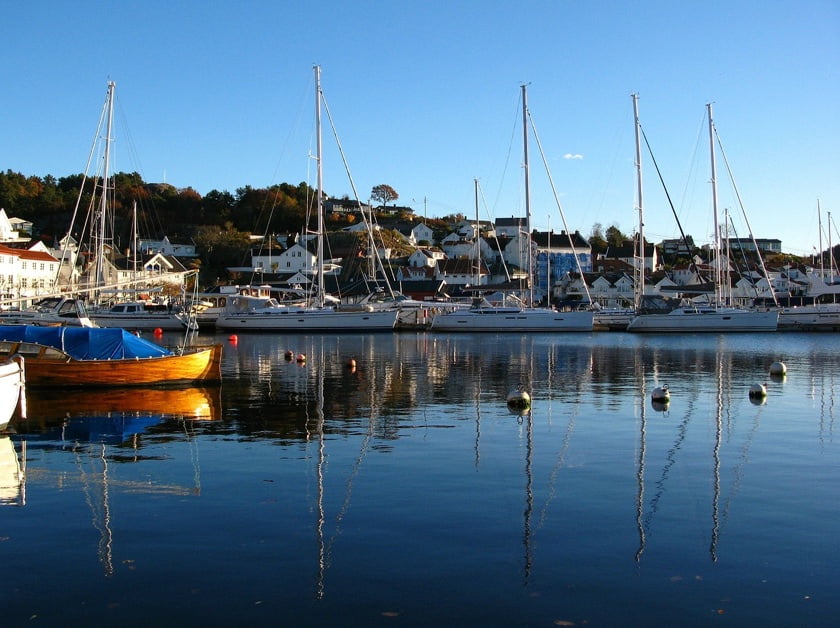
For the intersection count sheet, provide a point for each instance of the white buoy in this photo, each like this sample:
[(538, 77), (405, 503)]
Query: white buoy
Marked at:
[(519, 398), (660, 393), (778, 368), (758, 391)]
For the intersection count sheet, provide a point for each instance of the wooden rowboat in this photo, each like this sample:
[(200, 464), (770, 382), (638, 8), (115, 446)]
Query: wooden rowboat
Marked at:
[(102, 357)]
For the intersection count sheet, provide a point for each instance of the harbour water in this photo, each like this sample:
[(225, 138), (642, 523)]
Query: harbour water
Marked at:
[(404, 492)]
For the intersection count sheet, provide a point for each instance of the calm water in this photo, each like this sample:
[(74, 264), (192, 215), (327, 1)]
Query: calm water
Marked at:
[(405, 492)]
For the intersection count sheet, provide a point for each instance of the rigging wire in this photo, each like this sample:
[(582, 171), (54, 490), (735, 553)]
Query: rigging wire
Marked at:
[(559, 207), (692, 265), (744, 214)]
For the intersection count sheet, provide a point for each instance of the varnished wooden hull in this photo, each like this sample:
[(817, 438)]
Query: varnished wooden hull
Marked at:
[(197, 366)]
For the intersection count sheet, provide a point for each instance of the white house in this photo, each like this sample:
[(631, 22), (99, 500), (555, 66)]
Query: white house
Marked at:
[(10, 233), (26, 274), (510, 227), (165, 247), (421, 233), (427, 258), (296, 258), (462, 272)]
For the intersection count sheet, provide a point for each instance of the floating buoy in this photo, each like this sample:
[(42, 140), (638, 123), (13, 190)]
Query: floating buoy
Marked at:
[(233, 338), (158, 331), (301, 357), (778, 368), (661, 393), (519, 398), (351, 363), (758, 391), (289, 355)]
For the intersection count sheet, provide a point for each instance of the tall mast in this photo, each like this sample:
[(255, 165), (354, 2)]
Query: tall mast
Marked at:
[(718, 294), (320, 204), (527, 194), (477, 243), (640, 269), (99, 251), (134, 243), (819, 230), (830, 252)]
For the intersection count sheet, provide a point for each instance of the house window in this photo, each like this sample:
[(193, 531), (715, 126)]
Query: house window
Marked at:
[(23, 265), (23, 282), (42, 267)]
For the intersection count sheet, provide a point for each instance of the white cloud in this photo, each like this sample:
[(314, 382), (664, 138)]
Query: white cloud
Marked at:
[(572, 156)]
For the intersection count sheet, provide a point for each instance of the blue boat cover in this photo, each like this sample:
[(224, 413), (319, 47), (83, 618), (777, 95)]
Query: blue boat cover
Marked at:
[(85, 343)]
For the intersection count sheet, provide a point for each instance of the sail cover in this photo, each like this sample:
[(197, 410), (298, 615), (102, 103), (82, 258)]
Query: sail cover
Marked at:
[(85, 343)]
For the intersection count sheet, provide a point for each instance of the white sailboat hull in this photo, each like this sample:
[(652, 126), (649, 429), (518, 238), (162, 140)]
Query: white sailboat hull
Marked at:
[(824, 317), (11, 384), (146, 321), (503, 319), (705, 319), (308, 320)]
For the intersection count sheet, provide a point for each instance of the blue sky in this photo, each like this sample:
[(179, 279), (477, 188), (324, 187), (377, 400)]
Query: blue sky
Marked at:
[(425, 97)]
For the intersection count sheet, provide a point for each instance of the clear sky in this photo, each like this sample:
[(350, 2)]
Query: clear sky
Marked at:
[(425, 97)]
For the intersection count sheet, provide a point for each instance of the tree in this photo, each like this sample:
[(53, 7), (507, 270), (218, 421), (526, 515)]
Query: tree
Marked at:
[(383, 193), (615, 237), (596, 238)]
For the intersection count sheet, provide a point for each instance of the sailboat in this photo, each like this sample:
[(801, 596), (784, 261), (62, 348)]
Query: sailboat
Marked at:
[(243, 313), (716, 316), (485, 317), (819, 310), (105, 308)]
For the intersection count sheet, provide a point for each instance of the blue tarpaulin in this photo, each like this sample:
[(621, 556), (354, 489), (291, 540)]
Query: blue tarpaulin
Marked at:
[(85, 343)]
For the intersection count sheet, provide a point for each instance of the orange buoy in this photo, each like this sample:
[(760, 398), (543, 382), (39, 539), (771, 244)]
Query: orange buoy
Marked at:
[(233, 338), (158, 331), (301, 357)]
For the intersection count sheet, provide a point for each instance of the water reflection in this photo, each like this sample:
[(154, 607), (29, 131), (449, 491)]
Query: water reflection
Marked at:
[(12, 473), (406, 476), (105, 427)]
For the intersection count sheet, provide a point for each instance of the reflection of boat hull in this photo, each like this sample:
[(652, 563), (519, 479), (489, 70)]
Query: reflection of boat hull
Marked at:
[(702, 319), (189, 403), (11, 477), (11, 382), (201, 365)]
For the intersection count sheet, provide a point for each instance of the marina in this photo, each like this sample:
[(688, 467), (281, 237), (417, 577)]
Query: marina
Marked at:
[(375, 479)]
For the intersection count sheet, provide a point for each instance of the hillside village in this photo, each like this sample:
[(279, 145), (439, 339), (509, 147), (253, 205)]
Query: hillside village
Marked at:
[(420, 262)]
